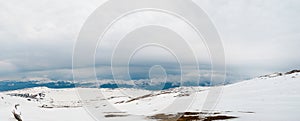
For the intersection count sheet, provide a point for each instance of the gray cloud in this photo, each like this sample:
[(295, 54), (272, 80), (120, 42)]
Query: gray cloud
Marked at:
[(37, 37), (258, 34)]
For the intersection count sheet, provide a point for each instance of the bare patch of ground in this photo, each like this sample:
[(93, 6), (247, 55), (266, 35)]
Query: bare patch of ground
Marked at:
[(191, 116), (246, 112), (114, 115), (144, 96)]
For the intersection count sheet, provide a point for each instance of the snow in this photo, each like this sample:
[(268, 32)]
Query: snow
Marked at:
[(275, 98), (272, 99)]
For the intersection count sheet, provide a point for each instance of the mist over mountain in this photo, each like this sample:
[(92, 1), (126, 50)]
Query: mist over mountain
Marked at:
[(147, 84)]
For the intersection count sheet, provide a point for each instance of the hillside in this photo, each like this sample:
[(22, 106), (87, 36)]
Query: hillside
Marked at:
[(274, 97)]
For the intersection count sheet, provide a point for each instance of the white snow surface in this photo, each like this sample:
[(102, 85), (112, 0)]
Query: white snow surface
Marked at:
[(275, 98)]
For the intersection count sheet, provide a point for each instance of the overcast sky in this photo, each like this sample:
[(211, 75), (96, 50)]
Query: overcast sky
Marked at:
[(37, 36)]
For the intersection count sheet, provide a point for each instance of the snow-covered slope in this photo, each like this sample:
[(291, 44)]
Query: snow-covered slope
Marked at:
[(275, 98), (266, 98)]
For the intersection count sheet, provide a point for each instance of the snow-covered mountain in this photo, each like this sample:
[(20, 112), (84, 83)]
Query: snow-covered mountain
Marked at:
[(274, 97), (111, 84)]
